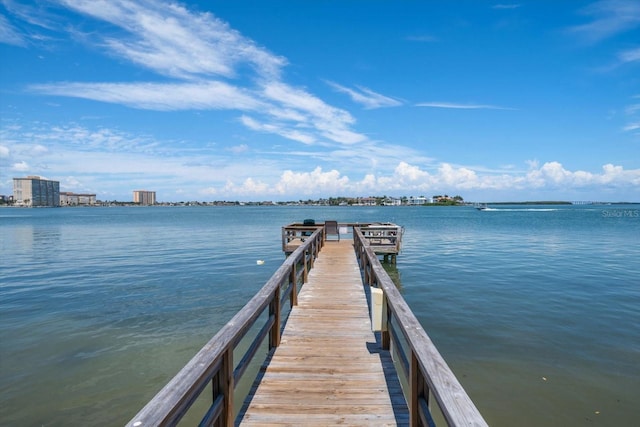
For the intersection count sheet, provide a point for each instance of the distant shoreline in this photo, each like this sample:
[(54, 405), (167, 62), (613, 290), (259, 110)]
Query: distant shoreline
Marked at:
[(318, 204)]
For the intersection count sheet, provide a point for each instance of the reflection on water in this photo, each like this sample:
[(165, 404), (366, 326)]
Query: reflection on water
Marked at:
[(32, 239), (393, 272)]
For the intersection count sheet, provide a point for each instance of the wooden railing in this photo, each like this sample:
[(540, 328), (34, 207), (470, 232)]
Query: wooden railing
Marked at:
[(294, 235), (383, 237), (214, 364), (423, 369)]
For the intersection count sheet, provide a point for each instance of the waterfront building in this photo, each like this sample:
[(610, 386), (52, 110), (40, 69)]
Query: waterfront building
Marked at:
[(75, 199), (144, 197), (34, 191), (367, 201), (392, 201), (416, 201)]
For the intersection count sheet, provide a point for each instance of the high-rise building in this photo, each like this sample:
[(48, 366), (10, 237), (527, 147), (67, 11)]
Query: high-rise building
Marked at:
[(35, 191), (144, 197)]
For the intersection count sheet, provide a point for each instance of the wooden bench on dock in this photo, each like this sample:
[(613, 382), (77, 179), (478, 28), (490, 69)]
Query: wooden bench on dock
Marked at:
[(322, 364)]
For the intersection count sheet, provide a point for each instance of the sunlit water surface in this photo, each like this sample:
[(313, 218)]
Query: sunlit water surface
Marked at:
[(536, 310)]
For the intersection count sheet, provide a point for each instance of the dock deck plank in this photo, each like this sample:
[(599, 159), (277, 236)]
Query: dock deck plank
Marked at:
[(329, 369)]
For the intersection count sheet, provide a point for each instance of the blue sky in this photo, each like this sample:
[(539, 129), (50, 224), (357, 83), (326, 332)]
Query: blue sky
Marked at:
[(289, 100)]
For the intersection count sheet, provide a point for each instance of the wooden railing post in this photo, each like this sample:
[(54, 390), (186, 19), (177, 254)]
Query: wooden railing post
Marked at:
[(274, 310), (414, 387), (305, 266), (223, 385), (293, 279), (313, 254), (385, 335)]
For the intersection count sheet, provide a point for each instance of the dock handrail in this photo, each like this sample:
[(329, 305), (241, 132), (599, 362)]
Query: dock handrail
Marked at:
[(214, 363), (425, 370)]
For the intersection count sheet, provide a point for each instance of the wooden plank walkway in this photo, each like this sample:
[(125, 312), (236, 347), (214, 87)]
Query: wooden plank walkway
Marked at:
[(329, 368)]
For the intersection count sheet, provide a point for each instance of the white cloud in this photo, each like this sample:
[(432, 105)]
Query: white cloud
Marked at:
[(366, 96), (505, 6), (306, 103), (174, 41), (107, 161), (631, 127), (461, 106), (9, 35), (459, 178), (158, 96), (410, 173), (249, 188), (242, 148), (20, 166), (629, 55), (39, 150), (553, 174), (422, 38), (296, 135), (331, 122), (609, 17), (618, 176), (80, 138), (632, 109), (71, 183), (368, 182), (287, 114), (277, 129), (198, 49), (339, 133), (314, 182)]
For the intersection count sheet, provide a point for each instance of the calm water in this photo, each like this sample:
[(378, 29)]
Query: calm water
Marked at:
[(537, 310)]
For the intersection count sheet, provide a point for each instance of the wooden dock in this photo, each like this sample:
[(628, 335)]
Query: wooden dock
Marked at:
[(324, 365), (329, 368)]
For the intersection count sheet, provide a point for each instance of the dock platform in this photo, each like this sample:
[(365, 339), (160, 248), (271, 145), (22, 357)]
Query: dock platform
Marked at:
[(329, 368), (384, 238)]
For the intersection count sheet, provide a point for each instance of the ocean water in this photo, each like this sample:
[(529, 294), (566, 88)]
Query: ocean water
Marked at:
[(536, 309)]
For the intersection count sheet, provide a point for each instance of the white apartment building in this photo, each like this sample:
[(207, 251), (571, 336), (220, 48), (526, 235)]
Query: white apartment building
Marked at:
[(419, 200), (34, 191)]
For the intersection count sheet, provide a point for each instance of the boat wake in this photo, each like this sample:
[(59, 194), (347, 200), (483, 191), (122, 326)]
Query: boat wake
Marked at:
[(520, 210)]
